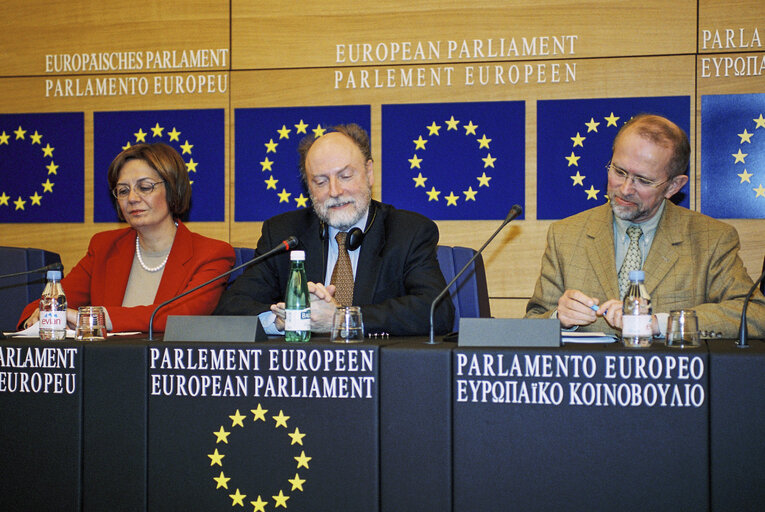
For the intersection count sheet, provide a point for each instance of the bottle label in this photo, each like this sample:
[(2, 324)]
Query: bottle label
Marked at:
[(636, 325), (53, 320), (297, 320)]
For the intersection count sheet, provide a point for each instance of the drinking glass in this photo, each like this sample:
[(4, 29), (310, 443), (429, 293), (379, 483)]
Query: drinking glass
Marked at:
[(91, 323), (347, 325), (683, 329)]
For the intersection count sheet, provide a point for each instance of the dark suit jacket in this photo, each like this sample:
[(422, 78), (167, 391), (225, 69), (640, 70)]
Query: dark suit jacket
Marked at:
[(397, 276), (100, 278), (693, 264)]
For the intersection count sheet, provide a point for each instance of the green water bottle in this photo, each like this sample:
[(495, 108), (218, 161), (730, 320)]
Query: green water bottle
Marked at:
[(297, 322)]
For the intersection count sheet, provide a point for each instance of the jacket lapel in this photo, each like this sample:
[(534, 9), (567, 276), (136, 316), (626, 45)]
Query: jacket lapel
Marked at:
[(663, 254), (174, 275), (600, 250), (118, 268), (370, 258)]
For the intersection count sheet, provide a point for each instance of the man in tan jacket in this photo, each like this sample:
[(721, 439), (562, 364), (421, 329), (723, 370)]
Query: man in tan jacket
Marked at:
[(690, 260)]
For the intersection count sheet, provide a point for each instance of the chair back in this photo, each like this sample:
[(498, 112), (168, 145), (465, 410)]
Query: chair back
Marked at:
[(469, 293), (17, 292), (243, 255), (762, 283)]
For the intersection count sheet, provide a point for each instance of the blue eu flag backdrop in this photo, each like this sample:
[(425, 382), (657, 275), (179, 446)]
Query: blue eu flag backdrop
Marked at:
[(733, 156), (574, 140), (42, 167), (199, 137), (454, 161), (266, 140)]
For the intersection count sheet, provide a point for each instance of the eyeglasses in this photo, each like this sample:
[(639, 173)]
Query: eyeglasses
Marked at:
[(620, 175), (142, 188)]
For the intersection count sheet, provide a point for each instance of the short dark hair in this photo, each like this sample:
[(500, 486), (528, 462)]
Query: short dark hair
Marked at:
[(351, 130), (168, 164), (661, 130)]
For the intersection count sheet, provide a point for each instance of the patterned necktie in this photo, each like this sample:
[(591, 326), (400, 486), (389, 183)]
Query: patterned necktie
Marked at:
[(342, 275), (632, 260)]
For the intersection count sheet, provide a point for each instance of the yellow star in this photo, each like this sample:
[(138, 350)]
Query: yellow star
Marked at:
[(301, 201), (433, 128), (260, 505), (739, 156), (52, 168), (301, 126), (271, 146), (297, 437), (745, 137), (297, 483), (48, 151), (415, 162), (36, 138), (271, 182), (592, 193), (760, 191), (432, 194), (745, 176), (302, 460), (760, 122), (592, 126), (127, 145), (573, 159), (451, 124), (191, 165), (216, 458), (470, 194), (19, 133), (4, 198), (611, 120), (260, 413), (419, 143), (47, 186), (483, 142), (221, 435), (174, 134), (284, 133), (470, 128), (451, 199), (284, 196), (488, 161), (578, 179), (265, 165), (186, 147), (483, 180), (222, 481), (280, 500), (237, 498), (281, 419), (420, 180), (318, 131), (236, 419), (35, 199), (19, 203), (140, 135), (157, 130), (578, 140), (4, 138)]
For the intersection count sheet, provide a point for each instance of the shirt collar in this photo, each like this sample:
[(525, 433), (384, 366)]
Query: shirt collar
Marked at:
[(648, 227)]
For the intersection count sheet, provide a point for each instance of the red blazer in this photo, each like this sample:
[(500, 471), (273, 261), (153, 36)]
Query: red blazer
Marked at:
[(100, 278)]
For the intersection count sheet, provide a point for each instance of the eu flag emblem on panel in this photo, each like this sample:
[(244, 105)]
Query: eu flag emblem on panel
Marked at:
[(42, 167), (267, 174), (454, 161), (199, 137), (574, 140), (733, 156)]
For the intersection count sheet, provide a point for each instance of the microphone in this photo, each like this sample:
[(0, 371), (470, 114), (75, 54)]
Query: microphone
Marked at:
[(742, 334), (53, 266), (512, 214), (285, 245)]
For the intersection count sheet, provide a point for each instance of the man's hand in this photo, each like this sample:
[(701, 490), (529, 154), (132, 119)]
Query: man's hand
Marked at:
[(323, 305), (574, 308)]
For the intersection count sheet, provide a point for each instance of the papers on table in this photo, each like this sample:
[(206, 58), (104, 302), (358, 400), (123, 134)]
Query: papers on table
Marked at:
[(587, 337)]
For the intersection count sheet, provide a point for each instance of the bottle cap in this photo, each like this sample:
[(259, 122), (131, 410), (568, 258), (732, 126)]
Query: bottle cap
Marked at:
[(637, 275), (54, 274), (297, 255)]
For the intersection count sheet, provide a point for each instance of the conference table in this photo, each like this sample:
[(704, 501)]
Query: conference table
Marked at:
[(386, 425)]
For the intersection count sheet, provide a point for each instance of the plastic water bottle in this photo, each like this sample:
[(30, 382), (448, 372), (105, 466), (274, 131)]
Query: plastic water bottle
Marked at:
[(53, 308), (637, 330), (297, 323)]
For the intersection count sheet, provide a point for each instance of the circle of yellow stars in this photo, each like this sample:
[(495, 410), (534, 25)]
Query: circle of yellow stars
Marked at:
[(266, 165), (739, 157), (578, 141), (420, 145), (158, 132), (47, 187), (222, 481)]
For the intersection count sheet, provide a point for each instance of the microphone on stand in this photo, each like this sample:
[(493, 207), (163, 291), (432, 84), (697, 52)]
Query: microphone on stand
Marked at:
[(53, 266), (285, 245), (512, 214), (742, 334)]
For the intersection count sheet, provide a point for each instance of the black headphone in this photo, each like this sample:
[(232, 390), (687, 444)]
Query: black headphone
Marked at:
[(355, 236)]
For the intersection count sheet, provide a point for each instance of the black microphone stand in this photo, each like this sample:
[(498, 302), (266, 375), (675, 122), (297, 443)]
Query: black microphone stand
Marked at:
[(742, 330)]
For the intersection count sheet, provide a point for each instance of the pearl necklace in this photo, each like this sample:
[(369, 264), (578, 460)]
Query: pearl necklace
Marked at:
[(140, 259)]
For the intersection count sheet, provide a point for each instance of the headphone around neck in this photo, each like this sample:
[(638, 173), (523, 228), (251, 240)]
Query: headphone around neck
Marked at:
[(355, 235)]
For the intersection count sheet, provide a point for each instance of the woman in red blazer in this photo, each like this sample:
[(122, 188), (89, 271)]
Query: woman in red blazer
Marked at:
[(130, 271)]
